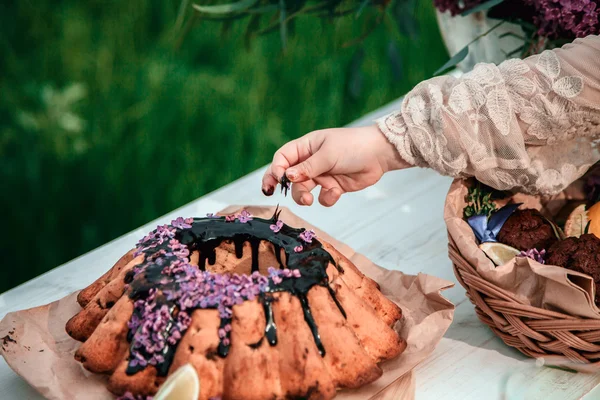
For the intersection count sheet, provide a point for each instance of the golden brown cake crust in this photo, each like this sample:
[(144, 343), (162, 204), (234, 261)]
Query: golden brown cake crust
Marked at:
[(353, 318)]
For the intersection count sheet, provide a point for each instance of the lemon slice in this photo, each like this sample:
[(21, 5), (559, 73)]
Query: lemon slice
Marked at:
[(183, 384), (577, 221), (499, 253), (594, 216)]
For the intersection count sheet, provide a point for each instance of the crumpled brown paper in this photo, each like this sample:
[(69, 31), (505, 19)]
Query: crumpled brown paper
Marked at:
[(41, 352), (545, 286)]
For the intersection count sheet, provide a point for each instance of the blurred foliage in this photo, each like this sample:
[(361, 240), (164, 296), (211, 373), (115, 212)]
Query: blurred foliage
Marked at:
[(109, 119)]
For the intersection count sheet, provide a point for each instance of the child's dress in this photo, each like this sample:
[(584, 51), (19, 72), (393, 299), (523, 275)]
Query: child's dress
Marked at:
[(530, 125)]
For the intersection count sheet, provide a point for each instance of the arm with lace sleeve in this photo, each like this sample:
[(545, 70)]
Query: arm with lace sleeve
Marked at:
[(530, 125)]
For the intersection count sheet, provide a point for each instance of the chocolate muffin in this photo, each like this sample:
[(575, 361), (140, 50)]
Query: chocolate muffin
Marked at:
[(527, 229), (578, 254)]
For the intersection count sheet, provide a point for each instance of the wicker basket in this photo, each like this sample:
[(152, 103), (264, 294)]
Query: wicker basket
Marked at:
[(559, 339)]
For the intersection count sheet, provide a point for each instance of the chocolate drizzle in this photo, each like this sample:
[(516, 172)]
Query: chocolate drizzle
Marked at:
[(151, 283)]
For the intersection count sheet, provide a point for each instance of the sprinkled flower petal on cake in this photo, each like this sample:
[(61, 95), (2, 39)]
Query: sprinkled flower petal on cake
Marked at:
[(230, 218), (277, 226), (298, 249), (308, 235), (181, 223), (244, 217)]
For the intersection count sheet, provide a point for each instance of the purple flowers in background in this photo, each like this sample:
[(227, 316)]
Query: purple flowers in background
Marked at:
[(553, 18), (535, 254), (308, 235), (277, 226), (571, 18)]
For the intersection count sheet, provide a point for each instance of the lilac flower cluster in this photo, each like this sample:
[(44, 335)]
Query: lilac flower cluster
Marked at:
[(151, 324), (570, 18), (534, 254), (553, 18), (243, 217), (277, 275), (162, 234)]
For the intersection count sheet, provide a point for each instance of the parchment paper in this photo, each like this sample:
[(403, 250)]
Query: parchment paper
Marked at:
[(545, 286), (36, 346)]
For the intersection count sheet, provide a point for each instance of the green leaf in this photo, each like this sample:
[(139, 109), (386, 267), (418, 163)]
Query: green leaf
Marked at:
[(226, 28), (263, 9), (482, 7), (395, 61), (226, 8), (251, 29), (587, 228), (355, 75), (515, 51), (282, 24), (362, 7), (458, 57), (404, 13)]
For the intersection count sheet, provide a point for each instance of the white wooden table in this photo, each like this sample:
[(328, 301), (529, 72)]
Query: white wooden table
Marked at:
[(406, 231)]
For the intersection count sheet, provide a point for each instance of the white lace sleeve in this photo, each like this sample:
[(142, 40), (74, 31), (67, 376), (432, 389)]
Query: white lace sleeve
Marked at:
[(530, 124)]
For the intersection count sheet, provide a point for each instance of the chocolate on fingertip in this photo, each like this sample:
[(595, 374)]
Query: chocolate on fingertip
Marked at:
[(268, 191)]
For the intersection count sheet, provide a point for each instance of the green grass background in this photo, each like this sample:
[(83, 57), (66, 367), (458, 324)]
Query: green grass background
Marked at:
[(105, 123)]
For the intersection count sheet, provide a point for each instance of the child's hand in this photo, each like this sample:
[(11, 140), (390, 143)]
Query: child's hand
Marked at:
[(339, 160)]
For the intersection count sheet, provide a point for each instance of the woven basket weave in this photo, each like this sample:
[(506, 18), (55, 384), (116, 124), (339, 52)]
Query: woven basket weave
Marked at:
[(535, 332)]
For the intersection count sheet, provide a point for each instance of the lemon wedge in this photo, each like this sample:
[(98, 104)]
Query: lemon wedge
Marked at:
[(499, 253), (577, 221), (183, 384), (593, 215)]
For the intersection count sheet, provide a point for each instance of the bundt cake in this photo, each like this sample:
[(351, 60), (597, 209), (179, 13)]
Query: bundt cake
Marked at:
[(260, 309)]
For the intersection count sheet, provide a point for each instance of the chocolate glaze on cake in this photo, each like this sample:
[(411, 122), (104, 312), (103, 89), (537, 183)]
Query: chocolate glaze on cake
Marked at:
[(160, 284)]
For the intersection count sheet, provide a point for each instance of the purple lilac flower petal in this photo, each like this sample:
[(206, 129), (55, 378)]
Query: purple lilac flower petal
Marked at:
[(535, 254), (277, 226), (244, 217), (308, 235)]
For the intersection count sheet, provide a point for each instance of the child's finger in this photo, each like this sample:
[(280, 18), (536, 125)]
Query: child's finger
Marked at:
[(289, 155), (329, 197), (301, 192), (269, 182), (311, 168)]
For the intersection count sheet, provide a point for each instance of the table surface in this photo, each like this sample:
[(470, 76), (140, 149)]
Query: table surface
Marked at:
[(406, 231)]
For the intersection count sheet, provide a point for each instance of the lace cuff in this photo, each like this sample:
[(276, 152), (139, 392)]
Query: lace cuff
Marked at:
[(529, 125)]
